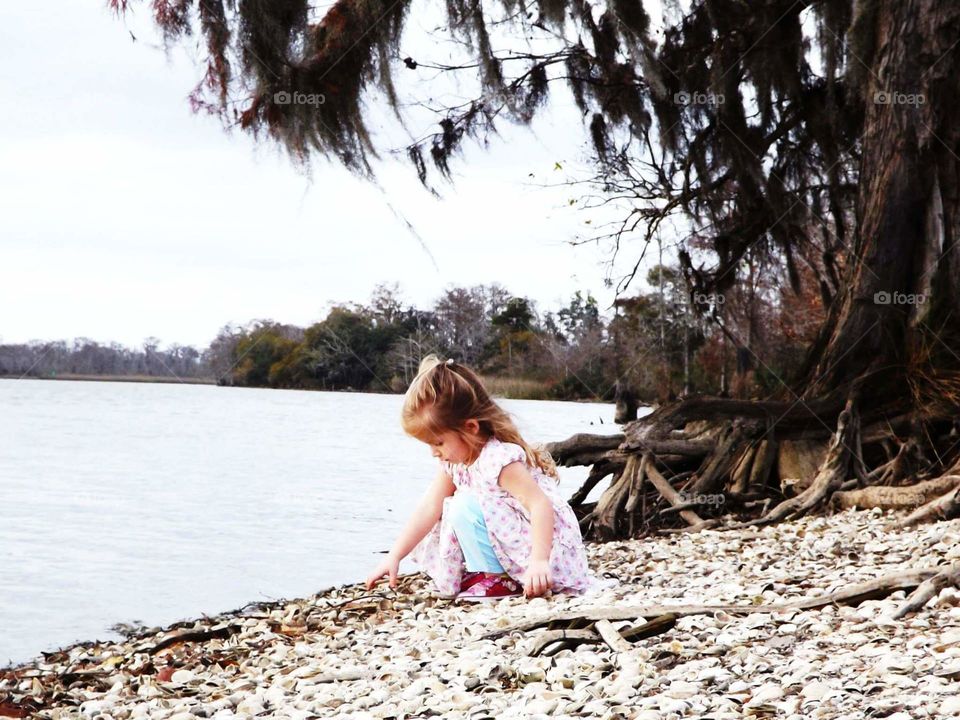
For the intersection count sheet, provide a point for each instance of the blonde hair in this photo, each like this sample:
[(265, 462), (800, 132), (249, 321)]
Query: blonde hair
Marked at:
[(444, 395)]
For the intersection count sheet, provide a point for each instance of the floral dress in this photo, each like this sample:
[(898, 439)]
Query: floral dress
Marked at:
[(508, 525)]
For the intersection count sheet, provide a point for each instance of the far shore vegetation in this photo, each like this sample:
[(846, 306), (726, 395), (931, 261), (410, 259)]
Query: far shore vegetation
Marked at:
[(652, 343)]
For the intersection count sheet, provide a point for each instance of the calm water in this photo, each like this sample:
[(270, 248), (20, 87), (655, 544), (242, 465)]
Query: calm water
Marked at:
[(128, 502)]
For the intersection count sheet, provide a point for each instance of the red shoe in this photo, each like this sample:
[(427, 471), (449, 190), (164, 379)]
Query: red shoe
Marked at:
[(490, 586), (470, 579)]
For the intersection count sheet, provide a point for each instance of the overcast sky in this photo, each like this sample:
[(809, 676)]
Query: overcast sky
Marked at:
[(123, 215)]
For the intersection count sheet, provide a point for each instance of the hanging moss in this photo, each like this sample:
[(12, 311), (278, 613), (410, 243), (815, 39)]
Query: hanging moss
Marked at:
[(749, 135), (553, 12), (633, 16), (861, 44), (598, 133)]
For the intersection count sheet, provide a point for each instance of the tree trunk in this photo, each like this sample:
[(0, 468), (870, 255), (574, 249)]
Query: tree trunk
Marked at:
[(899, 304), (876, 400)]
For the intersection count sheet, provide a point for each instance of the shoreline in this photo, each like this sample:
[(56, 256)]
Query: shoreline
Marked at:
[(117, 378), (169, 380), (347, 652)]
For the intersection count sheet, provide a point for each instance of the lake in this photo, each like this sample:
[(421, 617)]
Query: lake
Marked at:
[(152, 503)]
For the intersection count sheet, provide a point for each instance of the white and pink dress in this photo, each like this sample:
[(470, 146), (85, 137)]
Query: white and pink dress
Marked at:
[(508, 525)]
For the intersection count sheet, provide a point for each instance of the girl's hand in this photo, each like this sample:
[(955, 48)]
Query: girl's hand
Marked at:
[(388, 566), (537, 580)]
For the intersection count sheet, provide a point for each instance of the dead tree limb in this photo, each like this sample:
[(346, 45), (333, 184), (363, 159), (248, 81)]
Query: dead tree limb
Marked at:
[(569, 638), (611, 636), (580, 443), (948, 577), (853, 595)]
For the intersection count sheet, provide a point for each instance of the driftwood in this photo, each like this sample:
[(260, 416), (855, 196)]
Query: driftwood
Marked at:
[(219, 632), (853, 595), (550, 642), (612, 637), (657, 626), (948, 576), (567, 639)]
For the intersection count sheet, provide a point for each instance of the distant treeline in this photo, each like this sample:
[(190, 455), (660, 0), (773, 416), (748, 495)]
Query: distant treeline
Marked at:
[(85, 357), (653, 343)]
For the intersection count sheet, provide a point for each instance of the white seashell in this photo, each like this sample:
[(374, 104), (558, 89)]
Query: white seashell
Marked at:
[(765, 693), (674, 705), (681, 689), (815, 690)]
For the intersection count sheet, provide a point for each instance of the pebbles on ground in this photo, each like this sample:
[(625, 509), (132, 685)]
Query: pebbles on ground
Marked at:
[(351, 653)]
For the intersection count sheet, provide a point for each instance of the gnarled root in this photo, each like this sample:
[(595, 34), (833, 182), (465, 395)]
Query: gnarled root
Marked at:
[(942, 508), (896, 498), (830, 476)]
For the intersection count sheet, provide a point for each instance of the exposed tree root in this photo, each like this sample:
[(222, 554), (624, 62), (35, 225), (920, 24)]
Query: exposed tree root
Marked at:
[(896, 498), (830, 476), (598, 472), (702, 463), (719, 464), (671, 496), (944, 507)]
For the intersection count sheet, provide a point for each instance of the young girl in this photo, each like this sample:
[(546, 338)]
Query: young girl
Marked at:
[(493, 521)]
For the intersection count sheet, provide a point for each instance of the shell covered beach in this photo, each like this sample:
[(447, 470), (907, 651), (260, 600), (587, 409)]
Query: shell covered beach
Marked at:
[(642, 648)]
